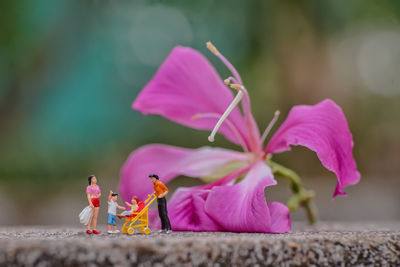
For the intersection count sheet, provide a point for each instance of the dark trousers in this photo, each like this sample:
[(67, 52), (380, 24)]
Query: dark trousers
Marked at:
[(163, 213)]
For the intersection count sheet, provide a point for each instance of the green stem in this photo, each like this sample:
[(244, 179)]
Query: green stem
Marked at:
[(301, 196), (311, 212)]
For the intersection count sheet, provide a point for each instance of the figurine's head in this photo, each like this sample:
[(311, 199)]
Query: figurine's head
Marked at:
[(135, 200), (153, 177), (92, 180), (114, 197)]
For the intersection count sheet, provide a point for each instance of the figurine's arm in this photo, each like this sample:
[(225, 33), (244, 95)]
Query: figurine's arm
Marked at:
[(127, 203), (121, 208), (163, 194), (90, 200), (165, 189), (109, 195)]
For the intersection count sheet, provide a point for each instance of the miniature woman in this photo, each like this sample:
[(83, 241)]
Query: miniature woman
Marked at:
[(93, 194)]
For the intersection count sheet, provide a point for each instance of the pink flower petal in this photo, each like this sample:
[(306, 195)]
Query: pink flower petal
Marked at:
[(280, 222), (186, 211), (186, 85), (322, 128), (169, 162), (186, 208), (242, 207)]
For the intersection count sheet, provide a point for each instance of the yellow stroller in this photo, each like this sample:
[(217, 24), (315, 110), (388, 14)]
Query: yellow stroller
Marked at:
[(138, 219)]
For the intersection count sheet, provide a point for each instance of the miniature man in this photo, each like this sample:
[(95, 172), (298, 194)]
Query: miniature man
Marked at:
[(112, 212), (161, 191)]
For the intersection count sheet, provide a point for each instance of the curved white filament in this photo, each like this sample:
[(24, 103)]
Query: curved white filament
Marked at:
[(269, 127), (230, 125), (234, 103)]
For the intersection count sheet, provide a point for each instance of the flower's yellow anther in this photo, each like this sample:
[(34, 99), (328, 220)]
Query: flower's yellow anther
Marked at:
[(269, 127), (227, 81), (212, 48), (236, 86)]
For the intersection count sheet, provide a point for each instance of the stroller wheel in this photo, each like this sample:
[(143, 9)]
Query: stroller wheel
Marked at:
[(147, 230), (131, 231)]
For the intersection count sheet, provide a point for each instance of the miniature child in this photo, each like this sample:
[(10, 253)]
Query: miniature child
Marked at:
[(136, 205), (112, 212)]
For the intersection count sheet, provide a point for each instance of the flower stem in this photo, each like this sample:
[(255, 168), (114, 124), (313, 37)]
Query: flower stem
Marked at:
[(301, 196)]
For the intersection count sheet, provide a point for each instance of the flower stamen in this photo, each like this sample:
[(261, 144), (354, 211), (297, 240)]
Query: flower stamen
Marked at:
[(230, 79), (253, 128), (237, 86), (269, 127), (234, 103), (228, 122), (214, 50)]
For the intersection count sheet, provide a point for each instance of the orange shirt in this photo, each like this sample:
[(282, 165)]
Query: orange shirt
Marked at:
[(160, 188)]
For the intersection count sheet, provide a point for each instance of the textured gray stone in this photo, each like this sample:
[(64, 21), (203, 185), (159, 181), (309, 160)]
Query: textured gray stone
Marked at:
[(339, 244)]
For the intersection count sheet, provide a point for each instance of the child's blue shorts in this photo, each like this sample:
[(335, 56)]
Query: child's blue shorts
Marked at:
[(112, 219)]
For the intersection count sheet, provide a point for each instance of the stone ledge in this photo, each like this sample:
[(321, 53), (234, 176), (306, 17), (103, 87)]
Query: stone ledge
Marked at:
[(324, 245)]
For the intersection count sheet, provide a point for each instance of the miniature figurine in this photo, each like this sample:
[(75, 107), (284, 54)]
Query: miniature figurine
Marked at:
[(139, 218), (135, 205), (161, 191), (93, 194), (112, 212)]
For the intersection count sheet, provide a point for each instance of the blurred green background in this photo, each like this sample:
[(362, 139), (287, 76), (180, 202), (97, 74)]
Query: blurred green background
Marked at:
[(70, 70)]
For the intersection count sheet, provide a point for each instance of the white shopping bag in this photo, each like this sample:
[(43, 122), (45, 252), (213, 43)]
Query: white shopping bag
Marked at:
[(85, 214)]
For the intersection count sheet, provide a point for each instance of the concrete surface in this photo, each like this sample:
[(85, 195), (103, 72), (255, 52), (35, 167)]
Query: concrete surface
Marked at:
[(325, 244)]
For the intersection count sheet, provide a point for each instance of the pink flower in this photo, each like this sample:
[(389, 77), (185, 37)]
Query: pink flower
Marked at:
[(186, 89)]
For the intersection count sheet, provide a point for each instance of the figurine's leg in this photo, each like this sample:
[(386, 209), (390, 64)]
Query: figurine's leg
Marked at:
[(163, 214), (167, 222), (108, 222), (96, 213), (90, 220), (160, 213), (114, 222)]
